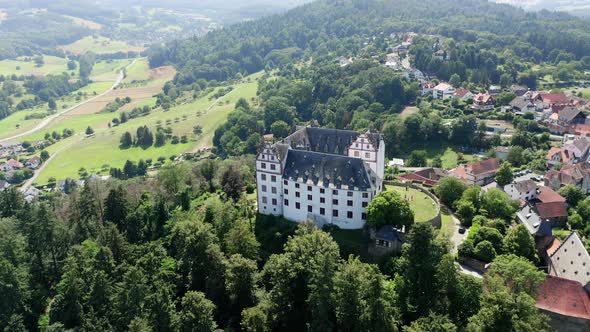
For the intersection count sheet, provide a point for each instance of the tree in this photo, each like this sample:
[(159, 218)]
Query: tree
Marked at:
[(485, 251), (240, 282), (254, 320), (232, 183), (89, 131), (505, 80), (432, 323), (449, 190), (466, 211), (126, 140), (508, 299), (504, 175), (240, 239), (160, 138), (583, 208), (572, 194), (116, 206), (515, 156), (44, 155), (455, 80), (52, 105), (498, 204), (520, 243), (359, 300), (418, 158), (197, 313), (280, 129), (389, 208)]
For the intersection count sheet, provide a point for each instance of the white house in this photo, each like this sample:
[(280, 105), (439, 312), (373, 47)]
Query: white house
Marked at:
[(326, 175), (443, 91), (523, 190)]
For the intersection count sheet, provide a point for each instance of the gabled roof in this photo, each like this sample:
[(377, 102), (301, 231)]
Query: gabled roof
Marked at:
[(569, 113), (548, 195), (483, 98), (525, 186), (571, 260), (325, 140), (461, 92), (443, 86), (564, 297), (429, 176), (14, 163), (553, 98), (327, 170), (563, 153), (484, 166), (533, 222), (551, 210), (389, 233), (582, 144)]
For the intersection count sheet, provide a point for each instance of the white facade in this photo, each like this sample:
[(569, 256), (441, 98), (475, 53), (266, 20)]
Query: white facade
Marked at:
[(326, 199)]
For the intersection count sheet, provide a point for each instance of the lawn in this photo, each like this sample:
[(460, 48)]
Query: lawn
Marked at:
[(423, 206), (103, 149), (100, 45), (448, 225), (52, 65)]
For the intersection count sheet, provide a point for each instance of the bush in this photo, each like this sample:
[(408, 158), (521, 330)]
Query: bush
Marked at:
[(466, 249), (484, 251)]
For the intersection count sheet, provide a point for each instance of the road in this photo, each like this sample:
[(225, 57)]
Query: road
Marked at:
[(50, 119), (456, 239)]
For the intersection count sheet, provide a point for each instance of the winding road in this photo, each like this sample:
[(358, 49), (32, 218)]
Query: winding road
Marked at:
[(50, 119)]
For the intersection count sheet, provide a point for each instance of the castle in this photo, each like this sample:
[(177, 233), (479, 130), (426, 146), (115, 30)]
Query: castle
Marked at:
[(327, 175)]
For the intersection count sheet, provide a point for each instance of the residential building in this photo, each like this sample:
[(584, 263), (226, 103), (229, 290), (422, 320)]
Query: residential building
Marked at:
[(551, 206), (462, 93), (483, 102), (443, 91), (326, 175), (495, 90), (518, 89), (524, 104), (11, 165), (426, 88), (523, 190), (571, 261), (557, 156), (566, 302), (479, 173), (428, 176), (387, 240), (576, 174), (540, 230), (34, 162), (570, 116), (550, 99)]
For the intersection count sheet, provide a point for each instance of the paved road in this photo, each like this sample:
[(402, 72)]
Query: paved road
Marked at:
[(50, 119)]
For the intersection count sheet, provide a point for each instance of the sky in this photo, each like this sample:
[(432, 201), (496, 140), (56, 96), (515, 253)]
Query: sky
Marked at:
[(573, 6)]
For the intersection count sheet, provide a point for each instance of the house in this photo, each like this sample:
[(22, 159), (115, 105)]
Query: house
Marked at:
[(551, 206), (479, 173), (440, 55), (518, 89), (4, 185), (34, 162), (443, 91), (523, 190), (569, 116), (578, 148), (31, 194), (571, 261), (483, 102), (557, 156), (540, 229), (387, 240), (494, 90), (11, 165), (396, 162), (566, 302), (344, 61), (462, 93), (524, 104), (426, 88), (428, 176), (490, 186), (327, 175), (550, 99), (576, 174)]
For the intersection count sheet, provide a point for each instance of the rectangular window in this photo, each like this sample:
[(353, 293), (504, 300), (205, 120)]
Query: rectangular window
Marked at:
[(297, 185), (322, 200), (273, 178), (308, 188), (263, 188), (286, 191), (263, 177), (322, 211), (367, 155), (273, 190), (309, 197), (309, 208), (349, 203), (364, 216), (334, 213), (297, 194), (286, 202), (273, 167), (285, 182), (349, 214), (297, 205), (263, 165), (349, 194), (334, 192), (365, 195), (356, 153), (335, 201), (365, 204), (264, 200), (322, 191), (274, 201)]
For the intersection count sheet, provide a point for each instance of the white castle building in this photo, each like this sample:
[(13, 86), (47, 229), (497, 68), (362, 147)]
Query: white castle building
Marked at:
[(327, 175)]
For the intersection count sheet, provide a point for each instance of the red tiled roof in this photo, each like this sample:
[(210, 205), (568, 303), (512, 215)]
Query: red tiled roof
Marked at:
[(14, 163), (552, 248), (482, 97), (484, 166), (460, 92), (564, 297), (551, 210), (547, 195), (554, 98)]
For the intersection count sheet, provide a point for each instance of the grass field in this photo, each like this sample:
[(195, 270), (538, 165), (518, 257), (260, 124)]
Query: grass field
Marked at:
[(84, 23), (139, 71), (52, 65), (100, 45), (103, 149), (409, 111), (423, 206), (108, 70)]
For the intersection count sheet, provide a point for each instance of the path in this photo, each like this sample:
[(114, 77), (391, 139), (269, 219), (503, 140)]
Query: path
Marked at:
[(50, 119), (456, 239), (205, 145)]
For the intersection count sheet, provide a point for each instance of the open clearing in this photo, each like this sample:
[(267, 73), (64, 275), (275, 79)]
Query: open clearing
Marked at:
[(84, 23), (52, 65), (139, 71), (423, 206), (103, 149), (108, 70), (409, 110), (100, 45)]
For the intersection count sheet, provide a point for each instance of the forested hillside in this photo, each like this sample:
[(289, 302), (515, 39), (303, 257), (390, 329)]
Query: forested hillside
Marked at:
[(338, 28)]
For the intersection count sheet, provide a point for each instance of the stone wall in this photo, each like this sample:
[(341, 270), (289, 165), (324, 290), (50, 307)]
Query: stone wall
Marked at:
[(437, 220)]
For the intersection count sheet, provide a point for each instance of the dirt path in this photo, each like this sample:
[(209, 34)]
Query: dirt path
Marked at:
[(50, 119)]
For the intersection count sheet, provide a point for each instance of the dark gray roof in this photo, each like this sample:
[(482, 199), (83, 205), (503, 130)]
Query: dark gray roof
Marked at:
[(333, 141), (525, 186), (534, 224), (569, 113), (325, 169), (388, 233)]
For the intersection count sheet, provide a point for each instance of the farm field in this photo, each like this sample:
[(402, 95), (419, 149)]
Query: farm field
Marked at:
[(97, 154), (423, 206), (139, 71), (52, 65), (84, 23), (108, 70), (100, 45)]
